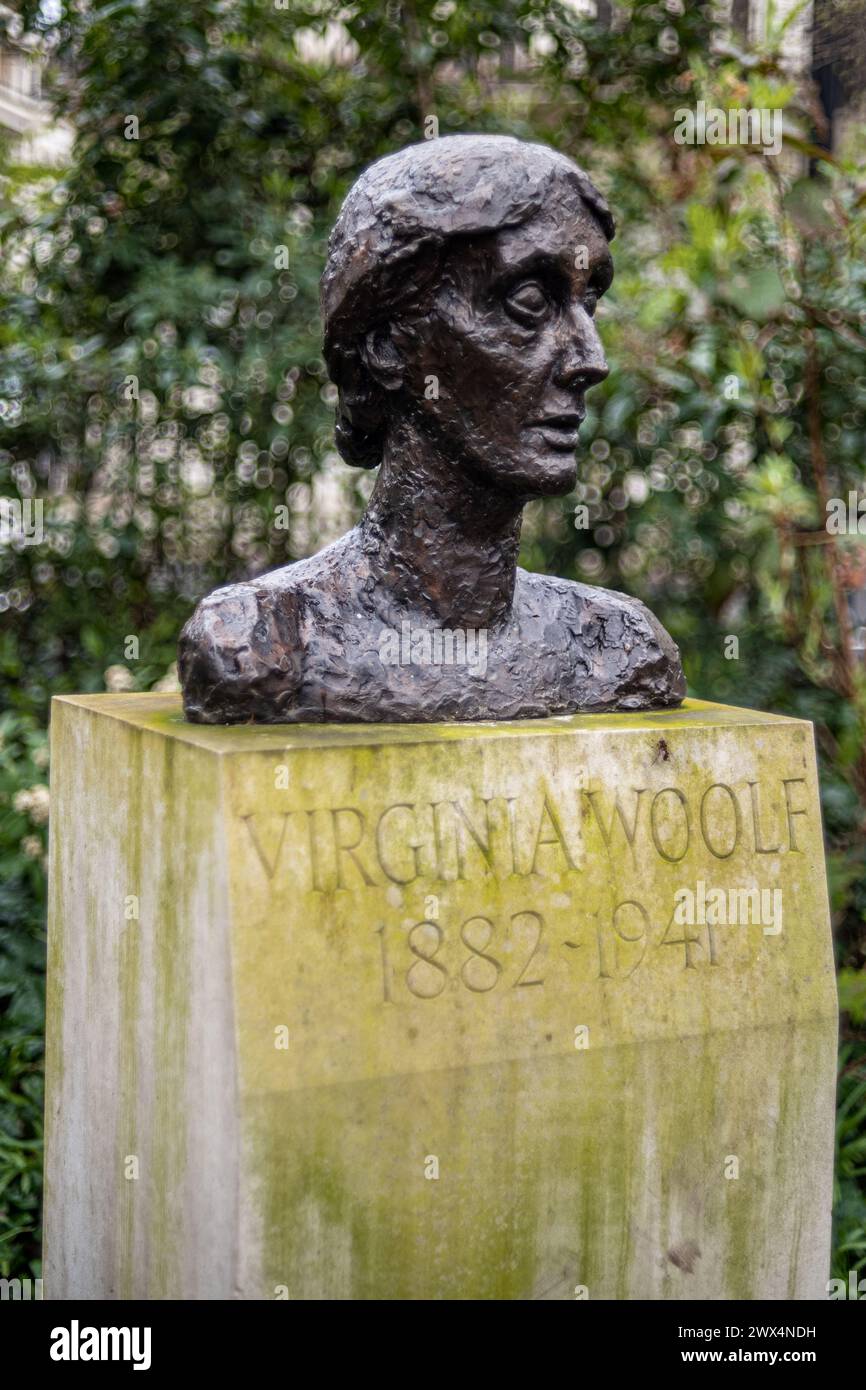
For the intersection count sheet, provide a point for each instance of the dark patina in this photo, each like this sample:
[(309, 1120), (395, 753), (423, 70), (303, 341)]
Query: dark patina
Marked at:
[(458, 302)]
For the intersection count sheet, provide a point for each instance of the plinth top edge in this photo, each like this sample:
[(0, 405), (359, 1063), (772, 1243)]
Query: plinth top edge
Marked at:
[(159, 713)]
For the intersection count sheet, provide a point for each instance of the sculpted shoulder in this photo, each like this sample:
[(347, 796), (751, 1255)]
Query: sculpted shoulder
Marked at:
[(630, 660), (241, 654)]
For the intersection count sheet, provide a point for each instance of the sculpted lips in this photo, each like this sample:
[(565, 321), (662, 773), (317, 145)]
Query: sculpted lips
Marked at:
[(559, 431)]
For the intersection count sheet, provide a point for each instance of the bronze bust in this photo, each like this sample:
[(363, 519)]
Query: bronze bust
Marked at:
[(458, 301)]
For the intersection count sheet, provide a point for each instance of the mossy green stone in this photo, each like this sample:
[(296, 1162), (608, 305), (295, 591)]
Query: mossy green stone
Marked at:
[(399, 1012)]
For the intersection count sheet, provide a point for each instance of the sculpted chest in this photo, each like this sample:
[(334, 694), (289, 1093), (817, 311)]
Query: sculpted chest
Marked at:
[(308, 655)]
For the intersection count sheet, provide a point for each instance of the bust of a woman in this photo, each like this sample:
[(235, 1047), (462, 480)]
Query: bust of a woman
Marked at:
[(458, 300)]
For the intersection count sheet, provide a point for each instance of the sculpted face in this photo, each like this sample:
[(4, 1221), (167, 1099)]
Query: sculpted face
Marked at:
[(508, 333)]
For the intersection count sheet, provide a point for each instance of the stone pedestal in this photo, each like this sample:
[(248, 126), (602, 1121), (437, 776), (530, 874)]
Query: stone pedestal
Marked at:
[(437, 1012)]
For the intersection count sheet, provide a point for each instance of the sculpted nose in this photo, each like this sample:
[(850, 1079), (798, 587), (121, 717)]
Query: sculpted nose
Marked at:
[(581, 361)]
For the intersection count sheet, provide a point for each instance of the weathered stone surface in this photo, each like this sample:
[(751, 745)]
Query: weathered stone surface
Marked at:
[(587, 1072)]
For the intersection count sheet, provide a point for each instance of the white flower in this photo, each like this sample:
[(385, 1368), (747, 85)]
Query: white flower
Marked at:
[(169, 683), (40, 804), (31, 846), (118, 678)]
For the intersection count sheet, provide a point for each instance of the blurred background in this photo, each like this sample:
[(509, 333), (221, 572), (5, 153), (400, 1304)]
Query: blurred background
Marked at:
[(169, 171)]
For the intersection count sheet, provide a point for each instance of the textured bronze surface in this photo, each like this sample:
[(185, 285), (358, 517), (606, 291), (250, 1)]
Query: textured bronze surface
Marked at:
[(458, 303)]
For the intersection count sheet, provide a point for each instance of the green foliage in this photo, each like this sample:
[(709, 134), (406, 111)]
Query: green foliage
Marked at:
[(162, 387), (23, 820), (849, 1198)]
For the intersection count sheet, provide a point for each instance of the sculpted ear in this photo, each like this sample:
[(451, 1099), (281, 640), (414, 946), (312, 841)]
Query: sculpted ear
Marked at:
[(383, 358)]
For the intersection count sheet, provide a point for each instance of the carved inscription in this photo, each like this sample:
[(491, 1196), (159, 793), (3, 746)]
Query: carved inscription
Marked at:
[(522, 950), (541, 836)]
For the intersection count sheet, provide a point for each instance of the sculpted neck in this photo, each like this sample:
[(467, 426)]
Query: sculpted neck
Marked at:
[(438, 538)]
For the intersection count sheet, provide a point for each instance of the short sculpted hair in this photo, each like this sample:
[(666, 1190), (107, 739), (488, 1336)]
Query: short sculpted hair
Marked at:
[(389, 242)]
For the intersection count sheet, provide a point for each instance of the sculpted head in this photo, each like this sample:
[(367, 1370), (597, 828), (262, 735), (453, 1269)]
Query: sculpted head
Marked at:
[(458, 298)]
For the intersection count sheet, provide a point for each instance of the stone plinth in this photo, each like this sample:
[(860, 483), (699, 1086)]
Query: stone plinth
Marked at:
[(418, 1011)]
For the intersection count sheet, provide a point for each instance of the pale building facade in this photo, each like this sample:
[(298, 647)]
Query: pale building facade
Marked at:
[(27, 122)]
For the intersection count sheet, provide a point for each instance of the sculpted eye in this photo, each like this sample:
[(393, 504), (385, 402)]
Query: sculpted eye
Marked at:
[(590, 302), (528, 303)]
